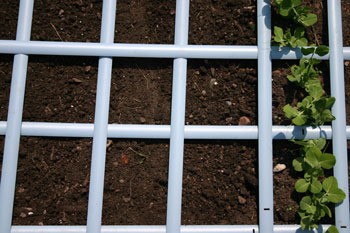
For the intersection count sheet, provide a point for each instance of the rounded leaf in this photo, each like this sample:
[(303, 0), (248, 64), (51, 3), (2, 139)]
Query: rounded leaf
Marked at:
[(308, 20), (322, 50), (298, 164), (332, 229), (330, 183), (313, 156), (301, 186), (327, 161), (333, 193), (315, 186), (336, 196), (300, 120), (307, 50), (290, 111)]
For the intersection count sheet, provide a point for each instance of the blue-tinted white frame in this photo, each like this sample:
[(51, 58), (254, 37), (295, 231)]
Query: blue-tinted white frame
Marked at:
[(265, 132)]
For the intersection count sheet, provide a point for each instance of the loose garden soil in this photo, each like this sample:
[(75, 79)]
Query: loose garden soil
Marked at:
[(220, 177)]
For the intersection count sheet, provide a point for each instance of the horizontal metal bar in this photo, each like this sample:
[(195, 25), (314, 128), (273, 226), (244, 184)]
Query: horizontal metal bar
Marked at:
[(161, 229), (148, 50), (83, 130)]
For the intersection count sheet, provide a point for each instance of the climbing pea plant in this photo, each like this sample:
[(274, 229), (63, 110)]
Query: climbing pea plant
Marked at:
[(320, 192)]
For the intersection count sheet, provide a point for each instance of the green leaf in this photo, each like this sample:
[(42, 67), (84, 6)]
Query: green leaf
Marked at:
[(327, 161), (301, 186), (315, 186), (297, 38), (322, 50), (307, 205), (279, 35), (293, 78), (301, 42), (320, 143), (307, 102), (329, 102), (333, 192), (326, 210), (285, 7), (308, 19), (300, 38), (312, 157), (307, 50), (307, 144), (289, 111), (313, 61), (314, 88), (299, 32), (324, 103), (296, 3), (306, 223), (308, 175), (332, 229), (327, 116), (336, 196), (298, 164), (300, 120), (330, 183)]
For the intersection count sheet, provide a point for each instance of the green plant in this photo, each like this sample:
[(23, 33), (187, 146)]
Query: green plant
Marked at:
[(289, 39), (295, 10), (314, 109), (321, 191)]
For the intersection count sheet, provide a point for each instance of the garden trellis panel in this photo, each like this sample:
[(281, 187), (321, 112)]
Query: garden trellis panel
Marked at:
[(177, 131)]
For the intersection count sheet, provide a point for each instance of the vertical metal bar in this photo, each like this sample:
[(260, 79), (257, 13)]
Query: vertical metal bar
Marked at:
[(177, 136), (339, 124), (265, 117), (14, 119), (95, 204)]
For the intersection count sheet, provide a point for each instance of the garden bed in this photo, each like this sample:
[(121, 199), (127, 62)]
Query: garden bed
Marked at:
[(220, 177)]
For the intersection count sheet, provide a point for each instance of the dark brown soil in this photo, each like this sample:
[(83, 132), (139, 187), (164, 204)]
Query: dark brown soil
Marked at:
[(220, 177)]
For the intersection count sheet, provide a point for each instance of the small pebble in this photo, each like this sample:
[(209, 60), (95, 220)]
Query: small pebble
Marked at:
[(126, 199), (109, 143), (228, 103), (242, 200), (76, 80), (279, 167), (151, 204), (87, 69), (60, 13), (244, 121), (213, 82), (142, 119), (212, 71), (21, 190), (229, 120)]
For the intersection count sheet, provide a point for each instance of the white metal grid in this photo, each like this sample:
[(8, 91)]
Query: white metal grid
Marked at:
[(265, 132)]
